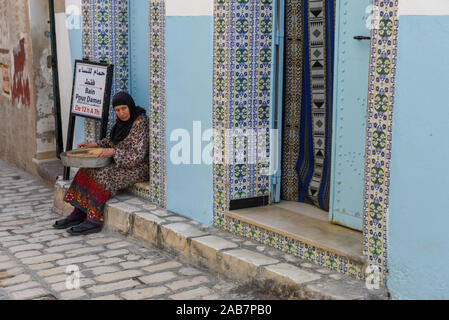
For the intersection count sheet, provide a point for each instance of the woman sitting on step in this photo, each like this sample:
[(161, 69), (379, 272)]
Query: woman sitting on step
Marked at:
[(128, 143)]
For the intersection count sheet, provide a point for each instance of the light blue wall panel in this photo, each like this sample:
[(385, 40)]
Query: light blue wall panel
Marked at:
[(418, 242), (189, 56), (76, 51), (139, 52)]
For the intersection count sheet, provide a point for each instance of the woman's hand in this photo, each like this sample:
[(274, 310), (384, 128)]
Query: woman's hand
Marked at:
[(87, 145), (107, 152)]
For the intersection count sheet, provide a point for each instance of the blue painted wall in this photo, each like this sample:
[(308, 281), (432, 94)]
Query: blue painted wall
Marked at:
[(138, 52), (189, 69), (418, 237), (76, 51)]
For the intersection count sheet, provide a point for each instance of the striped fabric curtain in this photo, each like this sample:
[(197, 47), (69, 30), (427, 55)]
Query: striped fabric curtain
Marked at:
[(308, 101)]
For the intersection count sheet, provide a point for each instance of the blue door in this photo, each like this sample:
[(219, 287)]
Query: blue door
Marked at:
[(352, 45)]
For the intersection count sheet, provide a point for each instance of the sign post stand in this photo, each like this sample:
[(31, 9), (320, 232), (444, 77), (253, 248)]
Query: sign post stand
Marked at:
[(91, 95)]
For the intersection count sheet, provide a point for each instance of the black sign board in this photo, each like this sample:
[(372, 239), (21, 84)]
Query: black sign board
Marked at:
[(91, 95)]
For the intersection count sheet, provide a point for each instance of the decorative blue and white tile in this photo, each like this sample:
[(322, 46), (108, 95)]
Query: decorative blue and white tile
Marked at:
[(157, 103), (141, 190), (383, 57), (242, 73), (295, 247), (105, 39)]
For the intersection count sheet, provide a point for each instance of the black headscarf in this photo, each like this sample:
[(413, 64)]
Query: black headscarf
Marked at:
[(121, 129)]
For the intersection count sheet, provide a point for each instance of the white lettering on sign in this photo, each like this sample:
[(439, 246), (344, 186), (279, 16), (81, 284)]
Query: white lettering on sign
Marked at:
[(89, 87)]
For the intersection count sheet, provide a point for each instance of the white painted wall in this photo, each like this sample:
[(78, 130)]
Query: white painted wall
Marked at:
[(65, 59), (423, 7), (65, 71), (76, 3), (189, 7)]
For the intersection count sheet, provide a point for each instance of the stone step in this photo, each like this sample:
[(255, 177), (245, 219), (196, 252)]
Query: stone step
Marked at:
[(301, 226), (220, 252)]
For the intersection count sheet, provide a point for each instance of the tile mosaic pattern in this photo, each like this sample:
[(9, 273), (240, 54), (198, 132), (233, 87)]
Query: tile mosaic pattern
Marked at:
[(295, 247), (249, 100), (105, 39), (157, 103), (242, 76), (382, 79), (141, 189), (220, 110)]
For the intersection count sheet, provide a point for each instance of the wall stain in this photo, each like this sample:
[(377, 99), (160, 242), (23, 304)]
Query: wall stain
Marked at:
[(21, 83), (6, 83)]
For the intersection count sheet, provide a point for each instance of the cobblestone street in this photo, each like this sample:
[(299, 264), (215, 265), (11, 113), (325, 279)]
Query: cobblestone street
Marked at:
[(34, 257)]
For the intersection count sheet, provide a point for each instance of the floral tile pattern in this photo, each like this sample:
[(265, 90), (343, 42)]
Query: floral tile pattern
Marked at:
[(142, 190), (295, 247), (105, 39), (382, 81), (242, 76), (220, 109), (157, 102)]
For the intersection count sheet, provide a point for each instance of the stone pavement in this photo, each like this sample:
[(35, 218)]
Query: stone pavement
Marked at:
[(34, 257), (145, 252)]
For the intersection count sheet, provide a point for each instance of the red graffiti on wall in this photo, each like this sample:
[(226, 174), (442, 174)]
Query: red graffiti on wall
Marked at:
[(21, 84)]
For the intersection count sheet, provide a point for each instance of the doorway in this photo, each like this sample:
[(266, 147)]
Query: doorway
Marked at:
[(307, 112), (324, 90), (335, 106)]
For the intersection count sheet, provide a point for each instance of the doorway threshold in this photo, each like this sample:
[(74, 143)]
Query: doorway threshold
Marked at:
[(307, 224)]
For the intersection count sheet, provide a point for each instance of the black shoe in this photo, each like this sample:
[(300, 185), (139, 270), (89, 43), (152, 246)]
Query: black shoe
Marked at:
[(67, 222), (83, 229)]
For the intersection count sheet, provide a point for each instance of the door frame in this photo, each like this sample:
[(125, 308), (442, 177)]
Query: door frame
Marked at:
[(277, 98)]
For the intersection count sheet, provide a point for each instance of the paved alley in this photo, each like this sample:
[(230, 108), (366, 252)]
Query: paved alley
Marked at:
[(39, 262)]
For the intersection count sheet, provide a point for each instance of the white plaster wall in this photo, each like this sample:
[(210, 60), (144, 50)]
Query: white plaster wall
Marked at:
[(64, 71), (45, 120), (189, 7), (423, 7), (73, 2)]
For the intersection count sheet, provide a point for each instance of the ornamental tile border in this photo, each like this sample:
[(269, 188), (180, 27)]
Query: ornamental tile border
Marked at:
[(157, 103), (297, 248), (382, 79), (142, 190), (220, 108)]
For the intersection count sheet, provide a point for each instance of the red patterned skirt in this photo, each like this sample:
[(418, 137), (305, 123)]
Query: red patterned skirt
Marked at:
[(88, 195)]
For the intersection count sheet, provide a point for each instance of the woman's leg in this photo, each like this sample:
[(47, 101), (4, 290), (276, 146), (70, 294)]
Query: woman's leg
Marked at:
[(88, 192), (78, 214), (76, 217)]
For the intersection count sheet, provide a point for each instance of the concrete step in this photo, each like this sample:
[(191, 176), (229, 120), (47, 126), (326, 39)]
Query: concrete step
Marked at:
[(308, 226), (258, 266), (49, 169)]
